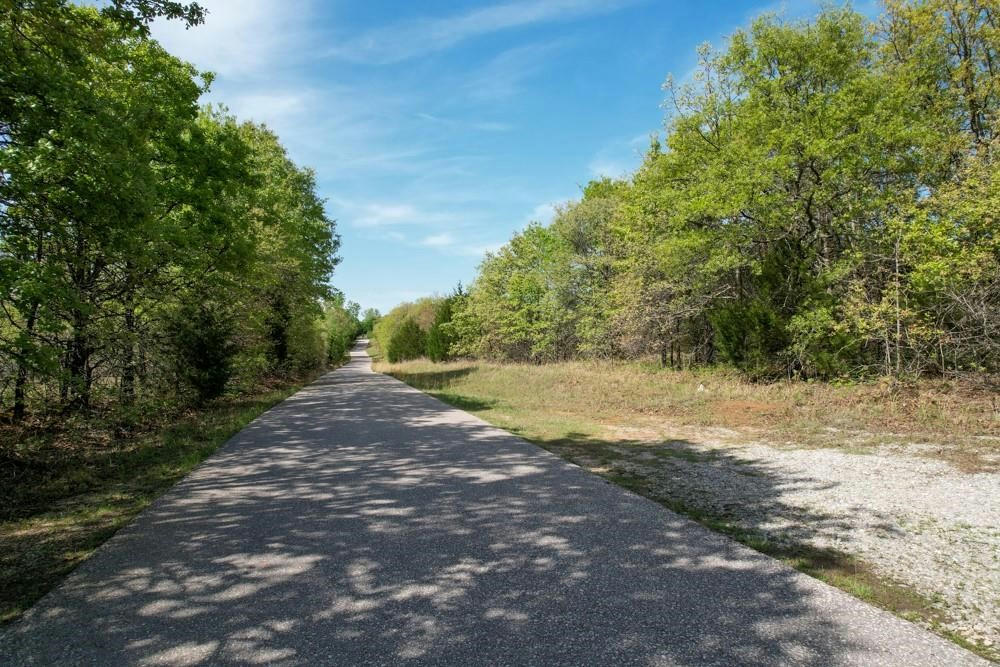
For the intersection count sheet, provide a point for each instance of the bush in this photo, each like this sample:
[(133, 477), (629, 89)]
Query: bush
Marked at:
[(341, 330), (439, 338), (203, 348), (306, 344), (336, 348), (408, 342), (421, 311), (750, 335)]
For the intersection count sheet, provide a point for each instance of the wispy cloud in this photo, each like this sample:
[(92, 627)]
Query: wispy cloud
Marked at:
[(618, 159), (438, 240), (450, 245), (480, 249), (482, 126), (446, 243), (240, 37), (544, 213), (394, 214), (504, 75), (402, 41), (270, 105), (601, 168), (377, 215)]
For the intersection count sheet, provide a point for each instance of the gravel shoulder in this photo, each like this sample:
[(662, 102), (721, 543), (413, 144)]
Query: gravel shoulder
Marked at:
[(914, 519)]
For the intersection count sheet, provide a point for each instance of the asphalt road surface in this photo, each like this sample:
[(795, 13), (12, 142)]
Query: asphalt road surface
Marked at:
[(361, 522)]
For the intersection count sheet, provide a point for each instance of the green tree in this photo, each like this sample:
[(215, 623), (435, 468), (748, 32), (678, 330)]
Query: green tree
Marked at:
[(588, 228), (421, 311), (120, 199), (94, 140), (368, 320), (297, 245), (793, 148), (408, 342), (520, 306), (202, 339), (440, 336), (342, 327)]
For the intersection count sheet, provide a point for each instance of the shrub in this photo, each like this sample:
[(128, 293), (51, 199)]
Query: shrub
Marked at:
[(306, 343), (203, 348), (408, 342), (439, 339)]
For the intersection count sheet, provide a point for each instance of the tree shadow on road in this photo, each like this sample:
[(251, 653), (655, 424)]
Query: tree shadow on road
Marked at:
[(746, 500), (362, 521)]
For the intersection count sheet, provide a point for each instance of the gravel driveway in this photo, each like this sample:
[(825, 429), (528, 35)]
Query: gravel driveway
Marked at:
[(363, 522)]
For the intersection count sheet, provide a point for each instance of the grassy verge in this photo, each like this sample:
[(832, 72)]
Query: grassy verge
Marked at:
[(69, 487), (588, 412), (958, 422)]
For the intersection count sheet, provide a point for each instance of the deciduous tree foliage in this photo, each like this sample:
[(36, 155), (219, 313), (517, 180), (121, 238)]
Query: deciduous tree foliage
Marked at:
[(421, 328), (823, 204), (368, 320), (342, 327), (148, 247), (421, 312)]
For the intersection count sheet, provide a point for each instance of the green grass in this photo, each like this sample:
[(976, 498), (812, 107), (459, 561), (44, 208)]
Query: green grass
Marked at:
[(587, 412), (67, 488)]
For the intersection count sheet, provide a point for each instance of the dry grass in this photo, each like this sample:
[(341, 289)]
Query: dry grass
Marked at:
[(956, 422)]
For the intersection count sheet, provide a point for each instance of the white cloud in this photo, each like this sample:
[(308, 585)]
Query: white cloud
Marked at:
[(544, 212), (269, 107), (445, 242), (608, 168), (478, 250), (450, 245), (618, 159), (439, 240), (378, 215), (393, 214), (395, 43), (239, 37)]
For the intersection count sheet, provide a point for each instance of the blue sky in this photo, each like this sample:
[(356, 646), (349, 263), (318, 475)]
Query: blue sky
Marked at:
[(437, 129)]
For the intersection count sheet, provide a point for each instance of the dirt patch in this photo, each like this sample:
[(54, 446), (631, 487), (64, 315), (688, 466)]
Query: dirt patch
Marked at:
[(756, 414)]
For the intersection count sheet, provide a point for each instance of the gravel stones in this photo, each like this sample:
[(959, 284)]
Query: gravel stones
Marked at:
[(914, 519)]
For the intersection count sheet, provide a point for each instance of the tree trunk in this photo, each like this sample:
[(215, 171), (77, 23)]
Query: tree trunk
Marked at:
[(79, 363), (21, 384), (128, 363), (899, 327)]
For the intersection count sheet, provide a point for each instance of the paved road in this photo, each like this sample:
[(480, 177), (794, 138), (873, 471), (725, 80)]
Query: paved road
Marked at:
[(362, 522)]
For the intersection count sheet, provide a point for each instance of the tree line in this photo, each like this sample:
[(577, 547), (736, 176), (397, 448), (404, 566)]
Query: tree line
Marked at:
[(418, 329), (824, 203), (150, 249)]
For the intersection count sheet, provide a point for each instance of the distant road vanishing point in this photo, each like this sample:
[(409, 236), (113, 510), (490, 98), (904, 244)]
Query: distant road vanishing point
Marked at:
[(362, 522)]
